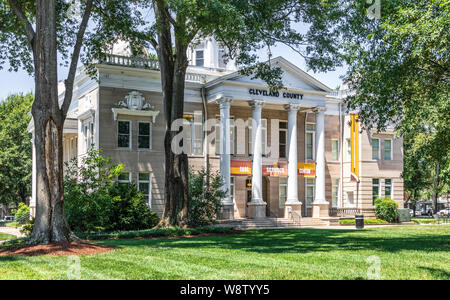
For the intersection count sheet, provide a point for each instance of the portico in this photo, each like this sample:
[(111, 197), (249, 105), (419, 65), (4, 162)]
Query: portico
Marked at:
[(261, 161)]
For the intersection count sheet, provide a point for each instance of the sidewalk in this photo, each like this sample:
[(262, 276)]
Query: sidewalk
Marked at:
[(12, 230)]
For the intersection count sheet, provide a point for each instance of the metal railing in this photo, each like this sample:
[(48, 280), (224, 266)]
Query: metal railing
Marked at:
[(295, 217), (274, 219)]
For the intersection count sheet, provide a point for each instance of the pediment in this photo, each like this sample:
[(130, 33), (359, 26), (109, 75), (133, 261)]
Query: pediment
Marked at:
[(293, 78)]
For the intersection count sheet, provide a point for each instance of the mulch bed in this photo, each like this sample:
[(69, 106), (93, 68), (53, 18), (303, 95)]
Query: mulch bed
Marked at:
[(58, 249)]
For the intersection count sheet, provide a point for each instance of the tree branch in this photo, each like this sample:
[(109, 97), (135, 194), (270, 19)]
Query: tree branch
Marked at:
[(26, 24), (75, 56)]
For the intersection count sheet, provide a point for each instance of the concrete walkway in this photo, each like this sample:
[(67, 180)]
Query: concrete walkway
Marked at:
[(12, 230)]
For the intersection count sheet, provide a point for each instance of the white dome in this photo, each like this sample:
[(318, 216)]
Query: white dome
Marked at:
[(124, 48)]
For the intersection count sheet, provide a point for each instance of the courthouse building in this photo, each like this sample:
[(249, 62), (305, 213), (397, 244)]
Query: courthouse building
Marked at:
[(295, 150)]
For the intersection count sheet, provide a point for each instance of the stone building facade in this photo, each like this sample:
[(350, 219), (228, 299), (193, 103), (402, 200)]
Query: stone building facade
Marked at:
[(278, 152)]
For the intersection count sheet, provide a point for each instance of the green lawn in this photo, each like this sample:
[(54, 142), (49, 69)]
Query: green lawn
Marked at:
[(405, 252), (4, 236)]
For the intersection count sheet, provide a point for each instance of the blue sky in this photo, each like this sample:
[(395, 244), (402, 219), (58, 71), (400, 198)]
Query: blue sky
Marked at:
[(17, 82)]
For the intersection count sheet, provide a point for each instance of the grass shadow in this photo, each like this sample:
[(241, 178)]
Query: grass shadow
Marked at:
[(303, 241)]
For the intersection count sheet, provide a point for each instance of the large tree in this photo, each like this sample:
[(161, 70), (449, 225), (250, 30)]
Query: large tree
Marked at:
[(32, 35), (242, 27), (15, 148), (399, 70)]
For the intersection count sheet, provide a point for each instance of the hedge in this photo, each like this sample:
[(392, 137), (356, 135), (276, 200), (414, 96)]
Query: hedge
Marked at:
[(366, 221)]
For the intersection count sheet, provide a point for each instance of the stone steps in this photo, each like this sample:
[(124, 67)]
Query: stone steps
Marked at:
[(276, 223)]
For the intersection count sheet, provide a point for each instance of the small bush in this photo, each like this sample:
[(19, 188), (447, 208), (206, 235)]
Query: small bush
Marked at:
[(386, 209), (206, 197), (129, 209), (95, 202), (22, 214), (27, 229)]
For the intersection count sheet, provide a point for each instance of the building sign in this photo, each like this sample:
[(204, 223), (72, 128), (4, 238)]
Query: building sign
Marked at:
[(276, 94), (306, 170), (277, 169), (241, 168), (244, 168)]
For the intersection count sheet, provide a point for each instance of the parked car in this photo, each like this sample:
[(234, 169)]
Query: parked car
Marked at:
[(8, 219), (444, 212), (418, 213)]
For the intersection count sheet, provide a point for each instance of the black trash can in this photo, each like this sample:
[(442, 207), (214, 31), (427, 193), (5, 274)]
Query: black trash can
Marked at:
[(359, 221)]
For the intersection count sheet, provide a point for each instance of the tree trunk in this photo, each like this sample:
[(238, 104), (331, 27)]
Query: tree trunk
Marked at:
[(435, 192), (50, 225), (173, 72)]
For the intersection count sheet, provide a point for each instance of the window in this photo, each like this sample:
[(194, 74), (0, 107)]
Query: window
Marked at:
[(387, 149), (199, 59), (124, 179), (283, 127), (85, 135), (375, 189), (350, 200), (310, 141), (263, 137), (283, 191), (334, 150), (388, 188), (124, 134), (310, 186), (335, 192), (232, 183), (375, 149), (144, 185), (193, 127), (349, 149), (91, 135), (88, 134), (218, 137), (144, 136)]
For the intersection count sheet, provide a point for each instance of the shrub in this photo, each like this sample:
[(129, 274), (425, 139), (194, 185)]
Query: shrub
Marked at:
[(95, 203), (366, 221), (129, 209), (22, 214), (206, 196), (27, 229), (386, 209)]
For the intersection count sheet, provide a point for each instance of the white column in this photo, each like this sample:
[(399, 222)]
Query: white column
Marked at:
[(257, 207), (292, 192), (225, 159), (257, 152), (320, 205), (320, 157)]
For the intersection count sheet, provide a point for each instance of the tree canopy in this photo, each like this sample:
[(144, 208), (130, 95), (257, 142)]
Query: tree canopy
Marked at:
[(399, 72), (15, 148)]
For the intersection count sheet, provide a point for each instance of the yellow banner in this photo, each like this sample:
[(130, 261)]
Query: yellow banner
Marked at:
[(354, 140)]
